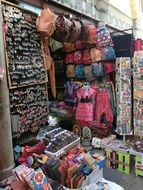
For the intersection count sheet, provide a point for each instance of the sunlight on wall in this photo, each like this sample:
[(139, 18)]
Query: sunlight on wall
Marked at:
[(122, 5)]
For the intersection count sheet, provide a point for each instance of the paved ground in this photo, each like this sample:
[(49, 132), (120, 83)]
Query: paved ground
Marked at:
[(128, 182)]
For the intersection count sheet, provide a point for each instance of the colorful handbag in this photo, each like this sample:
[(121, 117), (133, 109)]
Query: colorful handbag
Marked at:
[(89, 76), (97, 69), (138, 45), (86, 57), (69, 59), (69, 47), (70, 71), (108, 53), (55, 45), (92, 34), (78, 59), (45, 23), (79, 72), (95, 54), (79, 45)]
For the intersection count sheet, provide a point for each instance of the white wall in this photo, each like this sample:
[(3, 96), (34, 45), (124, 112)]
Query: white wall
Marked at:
[(122, 5)]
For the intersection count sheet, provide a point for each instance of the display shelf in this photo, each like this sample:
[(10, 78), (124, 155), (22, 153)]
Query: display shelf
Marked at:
[(65, 149)]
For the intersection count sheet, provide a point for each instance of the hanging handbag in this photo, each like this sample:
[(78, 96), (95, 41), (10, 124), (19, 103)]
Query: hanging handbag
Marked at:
[(86, 57), (78, 59), (79, 45), (138, 45), (95, 55), (84, 31), (69, 59), (45, 23), (92, 34), (108, 53), (75, 31), (97, 69), (63, 27), (79, 72), (69, 47), (55, 45)]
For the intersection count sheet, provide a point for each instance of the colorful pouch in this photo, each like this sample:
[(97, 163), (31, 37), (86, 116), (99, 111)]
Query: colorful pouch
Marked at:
[(97, 69), (108, 53), (69, 59), (86, 57), (79, 72), (78, 59), (95, 54)]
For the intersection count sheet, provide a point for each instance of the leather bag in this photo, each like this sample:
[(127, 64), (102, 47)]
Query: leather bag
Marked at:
[(63, 27), (45, 23), (75, 31)]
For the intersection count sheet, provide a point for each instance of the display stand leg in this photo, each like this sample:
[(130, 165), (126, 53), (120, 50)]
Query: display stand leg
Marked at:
[(124, 139)]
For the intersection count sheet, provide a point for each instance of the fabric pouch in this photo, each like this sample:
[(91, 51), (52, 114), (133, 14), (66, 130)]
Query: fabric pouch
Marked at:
[(86, 57), (97, 69), (78, 59), (79, 72), (69, 59), (70, 71), (95, 54), (108, 53)]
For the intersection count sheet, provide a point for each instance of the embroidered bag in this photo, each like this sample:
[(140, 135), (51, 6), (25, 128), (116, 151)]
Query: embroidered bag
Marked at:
[(95, 55), (86, 57), (45, 23), (108, 53), (97, 69), (79, 72), (78, 59), (69, 58)]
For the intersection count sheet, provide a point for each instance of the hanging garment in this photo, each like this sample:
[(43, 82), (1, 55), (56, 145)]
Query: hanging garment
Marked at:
[(50, 66), (84, 109), (70, 93), (103, 107)]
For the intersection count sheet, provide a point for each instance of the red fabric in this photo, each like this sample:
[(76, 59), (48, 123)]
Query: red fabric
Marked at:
[(138, 45), (38, 149), (69, 58), (109, 67), (78, 59), (86, 57), (103, 106), (92, 34), (79, 45), (84, 111)]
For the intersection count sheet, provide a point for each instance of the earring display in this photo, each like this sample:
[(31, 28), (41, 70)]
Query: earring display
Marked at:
[(26, 71), (32, 108), (138, 93), (24, 54), (123, 95)]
